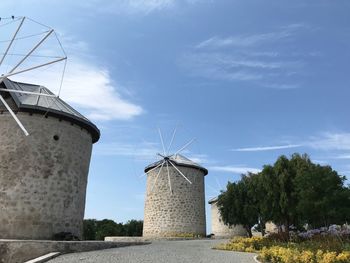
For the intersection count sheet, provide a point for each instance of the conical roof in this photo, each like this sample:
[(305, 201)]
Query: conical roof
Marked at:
[(42, 104), (179, 160)]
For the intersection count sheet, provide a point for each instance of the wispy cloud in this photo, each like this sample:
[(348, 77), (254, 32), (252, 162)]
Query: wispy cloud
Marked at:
[(342, 156), (225, 66), (330, 141), (266, 148), (199, 158), (250, 40), (234, 169), (247, 58), (142, 6), (327, 141), (135, 6), (145, 151)]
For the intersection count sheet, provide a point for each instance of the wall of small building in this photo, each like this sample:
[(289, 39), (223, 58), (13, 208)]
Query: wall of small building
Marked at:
[(219, 229), (43, 177), (181, 213)]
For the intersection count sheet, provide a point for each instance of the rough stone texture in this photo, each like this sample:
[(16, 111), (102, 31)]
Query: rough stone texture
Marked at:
[(19, 251), (179, 213), (42, 180), (219, 229), (270, 228)]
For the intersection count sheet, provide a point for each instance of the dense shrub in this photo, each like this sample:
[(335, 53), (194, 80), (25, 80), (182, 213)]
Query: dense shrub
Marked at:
[(98, 229)]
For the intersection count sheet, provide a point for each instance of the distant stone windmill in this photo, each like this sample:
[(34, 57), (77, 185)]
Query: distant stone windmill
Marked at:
[(175, 198), (45, 150)]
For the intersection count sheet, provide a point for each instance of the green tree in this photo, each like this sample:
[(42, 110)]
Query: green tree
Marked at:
[(133, 227), (237, 206), (89, 229), (108, 227), (322, 197)]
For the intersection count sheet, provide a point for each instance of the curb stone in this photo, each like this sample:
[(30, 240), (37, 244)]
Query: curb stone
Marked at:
[(44, 258), (256, 259)]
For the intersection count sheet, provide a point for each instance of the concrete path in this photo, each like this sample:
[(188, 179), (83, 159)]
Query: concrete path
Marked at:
[(187, 251)]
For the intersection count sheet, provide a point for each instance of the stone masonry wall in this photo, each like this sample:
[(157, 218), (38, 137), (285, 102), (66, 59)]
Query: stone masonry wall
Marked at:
[(219, 229), (43, 177), (182, 212)]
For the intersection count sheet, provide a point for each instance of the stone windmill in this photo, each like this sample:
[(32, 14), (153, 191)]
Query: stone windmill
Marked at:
[(175, 198), (45, 153)]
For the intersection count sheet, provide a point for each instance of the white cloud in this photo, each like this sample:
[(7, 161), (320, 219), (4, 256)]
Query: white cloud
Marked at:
[(246, 58), (140, 6), (342, 156), (266, 148), (234, 169), (87, 86), (326, 141), (145, 151), (135, 6), (250, 40), (330, 141), (225, 66), (90, 88), (199, 158), (242, 41)]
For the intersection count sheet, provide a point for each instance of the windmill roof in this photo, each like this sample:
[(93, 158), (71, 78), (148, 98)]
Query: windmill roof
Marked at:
[(179, 160), (42, 104)]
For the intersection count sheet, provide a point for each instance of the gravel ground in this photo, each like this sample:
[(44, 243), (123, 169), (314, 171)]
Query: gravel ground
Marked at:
[(190, 251)]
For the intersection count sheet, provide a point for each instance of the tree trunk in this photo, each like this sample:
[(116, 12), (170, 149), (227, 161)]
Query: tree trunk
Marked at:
[(262, 228), (249, 231)]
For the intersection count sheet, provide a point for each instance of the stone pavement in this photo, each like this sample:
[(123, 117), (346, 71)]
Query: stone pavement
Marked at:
[(185, 251)]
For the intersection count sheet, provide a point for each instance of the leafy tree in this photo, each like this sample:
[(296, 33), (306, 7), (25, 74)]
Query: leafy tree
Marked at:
[(108, 227), (133, 227), (98, 229), (322, 197), (292, 191), (89, 229), (286, 198), (257, 196), (237, 207)]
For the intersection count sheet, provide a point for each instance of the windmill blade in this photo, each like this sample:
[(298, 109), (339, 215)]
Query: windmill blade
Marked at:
[(31, 51), (172, 139), (11, 42), (14, 116), (167, 167), (31, 68), (152, 169), (185, 146), (161, 139), (28, 92), (163, 156), (180, 172), (154, 184)]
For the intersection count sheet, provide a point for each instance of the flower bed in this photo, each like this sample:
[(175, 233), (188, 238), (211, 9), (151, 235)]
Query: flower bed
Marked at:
[(315, 246)]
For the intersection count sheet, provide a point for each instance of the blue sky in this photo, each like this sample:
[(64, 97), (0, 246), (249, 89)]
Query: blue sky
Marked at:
[(250, 80)]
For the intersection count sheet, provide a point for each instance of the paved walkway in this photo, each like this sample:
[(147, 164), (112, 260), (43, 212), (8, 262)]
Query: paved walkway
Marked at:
[(189, 251)]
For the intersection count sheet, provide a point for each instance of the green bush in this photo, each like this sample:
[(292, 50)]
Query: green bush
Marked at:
[(98, 229)]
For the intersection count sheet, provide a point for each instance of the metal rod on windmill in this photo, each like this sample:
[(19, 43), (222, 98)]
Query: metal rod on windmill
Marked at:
[(185, 146), (13, 71), (31, 51), (180, 172), (13, 39), (26, 133), (172, 139)]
